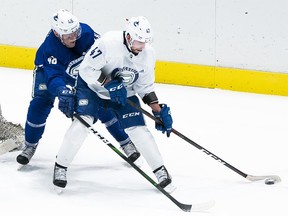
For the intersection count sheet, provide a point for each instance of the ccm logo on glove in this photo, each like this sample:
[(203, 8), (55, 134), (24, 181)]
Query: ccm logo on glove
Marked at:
[(117, 91), (115, 88)]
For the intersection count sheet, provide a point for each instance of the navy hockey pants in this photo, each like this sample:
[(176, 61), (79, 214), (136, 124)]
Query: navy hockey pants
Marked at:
[(40, 107)]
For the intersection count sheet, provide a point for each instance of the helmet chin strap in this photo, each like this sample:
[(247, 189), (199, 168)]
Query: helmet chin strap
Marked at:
[(129, 43), (61, 39), (59, 36)]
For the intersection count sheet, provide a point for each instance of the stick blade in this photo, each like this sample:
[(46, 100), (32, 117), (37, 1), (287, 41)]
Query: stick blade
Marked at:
[(259, 178), (199, 207)]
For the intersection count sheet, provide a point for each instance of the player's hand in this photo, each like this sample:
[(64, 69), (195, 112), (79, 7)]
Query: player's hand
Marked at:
[(165, 120), (117, 91), (66, 101)]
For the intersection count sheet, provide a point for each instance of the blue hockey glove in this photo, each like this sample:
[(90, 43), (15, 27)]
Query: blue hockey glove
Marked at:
[(117, 91), (66, 101), (164, 118)]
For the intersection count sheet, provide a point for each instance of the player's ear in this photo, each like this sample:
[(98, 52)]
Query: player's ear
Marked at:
[(128, 38), (55, 33)]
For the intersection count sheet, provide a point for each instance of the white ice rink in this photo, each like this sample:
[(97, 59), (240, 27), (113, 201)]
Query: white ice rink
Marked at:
[(249, 131)]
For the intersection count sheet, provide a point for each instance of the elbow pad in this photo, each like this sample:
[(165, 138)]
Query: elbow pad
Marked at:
[(102, 79), (150, 98)]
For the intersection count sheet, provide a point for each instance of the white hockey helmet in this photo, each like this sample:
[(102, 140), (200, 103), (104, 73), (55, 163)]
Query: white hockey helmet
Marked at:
[(139, 29), (63, 22)]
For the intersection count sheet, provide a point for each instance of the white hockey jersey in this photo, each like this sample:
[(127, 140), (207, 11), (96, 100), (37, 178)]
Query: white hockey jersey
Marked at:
[(109, 55)]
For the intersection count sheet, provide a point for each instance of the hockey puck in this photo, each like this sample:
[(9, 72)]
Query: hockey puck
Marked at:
[(269, 181)]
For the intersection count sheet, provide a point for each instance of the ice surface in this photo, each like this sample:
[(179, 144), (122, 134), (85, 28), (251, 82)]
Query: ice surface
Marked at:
[(249, 131)]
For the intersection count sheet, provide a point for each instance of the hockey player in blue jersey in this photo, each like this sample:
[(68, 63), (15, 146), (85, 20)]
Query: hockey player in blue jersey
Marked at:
[(56, 69)]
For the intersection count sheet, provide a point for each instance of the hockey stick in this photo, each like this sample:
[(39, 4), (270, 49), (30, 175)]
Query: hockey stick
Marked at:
[(271, 178), (184, 207)]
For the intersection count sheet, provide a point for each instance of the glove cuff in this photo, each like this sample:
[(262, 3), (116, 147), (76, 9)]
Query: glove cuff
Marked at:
[(161, 106), (65, 90)]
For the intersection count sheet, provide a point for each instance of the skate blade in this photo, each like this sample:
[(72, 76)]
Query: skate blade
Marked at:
[(58, 190), (170, 188), (139, 162), (20, 167)]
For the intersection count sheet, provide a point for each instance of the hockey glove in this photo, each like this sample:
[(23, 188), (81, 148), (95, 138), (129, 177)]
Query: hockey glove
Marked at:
[(164, 118), (117, 91), (66, 101)]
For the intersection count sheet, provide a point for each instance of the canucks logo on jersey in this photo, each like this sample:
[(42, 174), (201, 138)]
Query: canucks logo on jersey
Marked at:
[(128, 75), (73, 67)]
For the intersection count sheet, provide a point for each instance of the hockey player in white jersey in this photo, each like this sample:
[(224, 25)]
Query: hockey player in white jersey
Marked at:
[(118, 66)]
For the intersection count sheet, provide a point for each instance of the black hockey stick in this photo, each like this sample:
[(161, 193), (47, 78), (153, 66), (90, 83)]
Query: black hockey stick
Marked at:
[(184, 207), (274, 178)]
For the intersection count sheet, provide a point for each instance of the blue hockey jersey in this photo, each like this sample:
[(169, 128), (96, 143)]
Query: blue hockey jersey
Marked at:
[(61, 63)]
